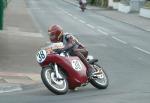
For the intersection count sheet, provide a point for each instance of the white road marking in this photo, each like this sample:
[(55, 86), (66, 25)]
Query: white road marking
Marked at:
[(107, 30), (81, 21), (102, 28), (5, 88), (65, 12), (69, 14), (91, 26), (103, 32), (142, 50), (119, 40), (75, 17)]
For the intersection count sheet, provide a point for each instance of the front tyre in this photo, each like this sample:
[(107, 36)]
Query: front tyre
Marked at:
[(101, 82), (52, 83)]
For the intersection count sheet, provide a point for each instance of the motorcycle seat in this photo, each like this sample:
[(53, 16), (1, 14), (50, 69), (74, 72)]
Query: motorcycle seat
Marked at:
[(93, 61)]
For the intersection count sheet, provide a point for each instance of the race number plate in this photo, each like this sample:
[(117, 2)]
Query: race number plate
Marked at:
[(41, 56), (76, 65)]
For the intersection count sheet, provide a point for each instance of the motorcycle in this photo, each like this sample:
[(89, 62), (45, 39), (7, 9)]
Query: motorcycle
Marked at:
[(82, 5), (61, 72)]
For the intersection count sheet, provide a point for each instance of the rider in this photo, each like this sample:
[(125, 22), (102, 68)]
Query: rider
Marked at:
[(56, 34), (82, 2)]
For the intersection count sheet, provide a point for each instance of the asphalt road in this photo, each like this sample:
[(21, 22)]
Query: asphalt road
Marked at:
[(123, 51)]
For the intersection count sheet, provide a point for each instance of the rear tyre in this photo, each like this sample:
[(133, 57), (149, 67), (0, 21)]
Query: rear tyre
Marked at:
[(49, 79), (101, 82)]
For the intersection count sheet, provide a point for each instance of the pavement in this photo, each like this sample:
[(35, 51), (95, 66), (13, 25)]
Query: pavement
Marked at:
[(133, 18), (18, 21), (16, 43), (13, 82)]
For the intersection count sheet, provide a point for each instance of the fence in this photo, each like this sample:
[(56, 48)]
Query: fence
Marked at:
[(3, 5), (101, 3)]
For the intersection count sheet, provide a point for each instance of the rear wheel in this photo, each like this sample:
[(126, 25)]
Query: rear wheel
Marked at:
[(57, 86), (101, 80)]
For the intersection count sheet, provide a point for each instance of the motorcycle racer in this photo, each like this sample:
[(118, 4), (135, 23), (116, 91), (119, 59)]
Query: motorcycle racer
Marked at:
[(72, 45), (82, 4)]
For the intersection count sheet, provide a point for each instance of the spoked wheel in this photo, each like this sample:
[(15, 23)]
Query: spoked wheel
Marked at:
[(101, 80), (57, 86)]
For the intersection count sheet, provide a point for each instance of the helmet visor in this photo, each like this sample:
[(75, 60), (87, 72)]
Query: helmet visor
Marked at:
[(52, 36)]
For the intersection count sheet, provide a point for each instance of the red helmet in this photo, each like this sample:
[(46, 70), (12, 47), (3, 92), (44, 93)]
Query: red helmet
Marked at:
[(55, 33)]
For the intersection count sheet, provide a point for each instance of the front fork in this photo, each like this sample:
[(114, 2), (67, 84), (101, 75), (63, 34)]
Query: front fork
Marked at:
[(56, 71)]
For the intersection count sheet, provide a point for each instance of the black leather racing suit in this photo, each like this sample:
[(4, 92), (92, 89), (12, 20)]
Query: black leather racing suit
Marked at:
[(76, 49)]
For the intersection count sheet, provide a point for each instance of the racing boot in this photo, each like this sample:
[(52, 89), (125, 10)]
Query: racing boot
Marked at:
[(93, 73)]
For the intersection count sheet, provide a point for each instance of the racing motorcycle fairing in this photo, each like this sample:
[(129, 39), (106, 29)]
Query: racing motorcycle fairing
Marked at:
[(73, 66)]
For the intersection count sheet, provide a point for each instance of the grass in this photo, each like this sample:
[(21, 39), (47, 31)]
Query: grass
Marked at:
[(147, 5)]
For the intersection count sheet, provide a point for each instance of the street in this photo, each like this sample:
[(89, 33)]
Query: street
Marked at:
[(122, 49)]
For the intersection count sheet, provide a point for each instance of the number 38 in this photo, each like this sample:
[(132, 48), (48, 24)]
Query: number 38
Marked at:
[(41, 56)]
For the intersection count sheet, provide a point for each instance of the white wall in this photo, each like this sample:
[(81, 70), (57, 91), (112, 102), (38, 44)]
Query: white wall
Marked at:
[(110, 3)]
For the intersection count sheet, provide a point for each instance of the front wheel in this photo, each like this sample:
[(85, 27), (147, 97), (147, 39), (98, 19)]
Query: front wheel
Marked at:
[(101, 81), (83, 9), (52, 83)]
